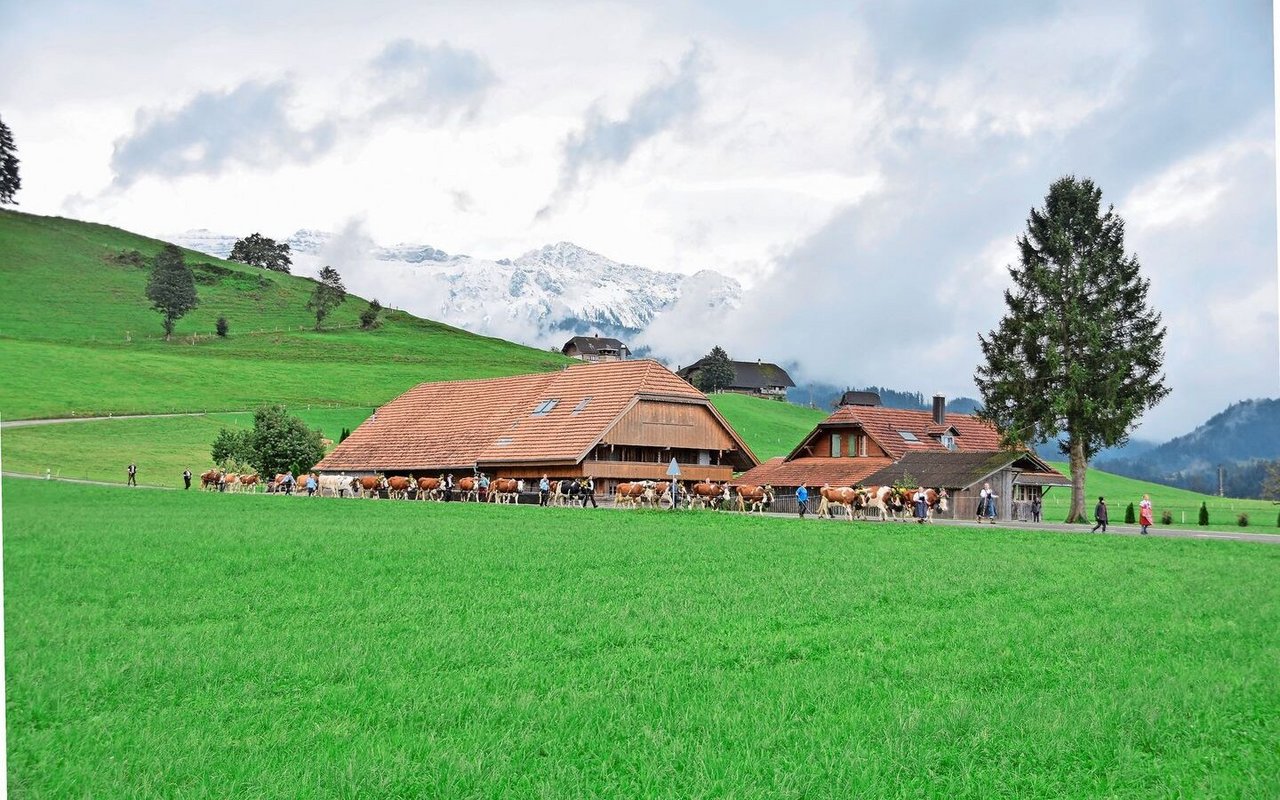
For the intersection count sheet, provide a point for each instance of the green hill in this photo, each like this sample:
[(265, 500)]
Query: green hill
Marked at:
[(78, 337)]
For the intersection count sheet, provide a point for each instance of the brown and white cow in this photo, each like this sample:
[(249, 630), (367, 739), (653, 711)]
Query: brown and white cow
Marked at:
[(468, 489), (630, 494), (708, 495), (504, 490), (844, 497), (398, 487), (368, 485), (249, 482), (754, 498), (209, 480), (428, 488)]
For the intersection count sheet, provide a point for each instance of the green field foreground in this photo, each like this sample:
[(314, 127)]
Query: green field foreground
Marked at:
[(164, 644)]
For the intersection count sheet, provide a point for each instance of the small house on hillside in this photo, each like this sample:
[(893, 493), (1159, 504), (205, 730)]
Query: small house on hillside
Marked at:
[(595, 349), (759, 378), (615, 421), (864, 443)]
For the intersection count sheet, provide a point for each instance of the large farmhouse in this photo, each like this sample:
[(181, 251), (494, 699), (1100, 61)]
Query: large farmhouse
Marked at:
[(595, 349), (759, 378), (615, 421), (866, 443)]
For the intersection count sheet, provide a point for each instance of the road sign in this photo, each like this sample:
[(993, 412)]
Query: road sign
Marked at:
[(674, 469)]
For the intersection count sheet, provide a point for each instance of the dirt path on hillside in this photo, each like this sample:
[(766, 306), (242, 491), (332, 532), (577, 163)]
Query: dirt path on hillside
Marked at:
[(26, 423)]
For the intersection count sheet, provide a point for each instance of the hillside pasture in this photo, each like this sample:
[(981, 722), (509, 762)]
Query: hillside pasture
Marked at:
[(162, 447), (183, 644), (78, 336), (1182, 503), (771, 428)]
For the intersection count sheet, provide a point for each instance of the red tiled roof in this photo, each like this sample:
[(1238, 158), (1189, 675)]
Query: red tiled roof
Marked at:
[(883, 426), (460, 423), (813, 471)]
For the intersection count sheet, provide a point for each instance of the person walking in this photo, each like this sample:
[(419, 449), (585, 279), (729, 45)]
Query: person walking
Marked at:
[(544, 490), (448, 487), (987, 504), (589, 492), (186, 478), (802, 500), (288, 481), (1146, 514), (311, 485), (132, 472), (922, 505), (1100, 516), (1035, 508)]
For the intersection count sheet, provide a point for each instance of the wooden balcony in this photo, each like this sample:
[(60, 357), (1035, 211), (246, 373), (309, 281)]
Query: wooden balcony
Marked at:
[(648, 470)]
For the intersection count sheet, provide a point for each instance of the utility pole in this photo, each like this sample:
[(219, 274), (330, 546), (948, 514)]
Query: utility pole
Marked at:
[(1221, 492)]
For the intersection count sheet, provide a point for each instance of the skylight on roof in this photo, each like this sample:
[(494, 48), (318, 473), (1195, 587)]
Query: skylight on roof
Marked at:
[(908, 436), (581, 405), (544, 408)]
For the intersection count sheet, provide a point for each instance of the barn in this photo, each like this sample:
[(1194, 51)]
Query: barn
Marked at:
[(615, 421), (864, 443)]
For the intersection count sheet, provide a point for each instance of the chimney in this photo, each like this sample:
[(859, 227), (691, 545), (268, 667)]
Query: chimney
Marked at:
[(939, 409)]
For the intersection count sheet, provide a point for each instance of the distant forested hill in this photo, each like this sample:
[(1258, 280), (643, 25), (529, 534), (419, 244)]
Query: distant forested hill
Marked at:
[(825, 396), (1242, 439)]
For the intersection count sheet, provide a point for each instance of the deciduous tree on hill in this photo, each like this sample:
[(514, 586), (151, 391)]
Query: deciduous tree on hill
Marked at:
[(1079, 350), (716, 371), (328, 295), (258, 251), (280, 440), (369, 317), (172, 287), (10, 181)]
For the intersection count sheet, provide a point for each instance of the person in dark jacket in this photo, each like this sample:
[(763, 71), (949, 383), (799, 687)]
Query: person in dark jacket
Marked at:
[(186, 478), (1100, 516), (1035, 508)]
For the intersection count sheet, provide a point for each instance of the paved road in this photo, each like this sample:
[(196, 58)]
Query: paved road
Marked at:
[(26, 423), (1052, 527)]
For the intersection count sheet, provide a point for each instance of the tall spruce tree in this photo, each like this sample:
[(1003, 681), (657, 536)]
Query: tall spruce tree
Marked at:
[(172, 287), (1079, 349), (10, 181), (328, 294), (716, 372)]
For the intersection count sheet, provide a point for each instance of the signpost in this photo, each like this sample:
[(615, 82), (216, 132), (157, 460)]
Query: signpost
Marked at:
[(673, 472)]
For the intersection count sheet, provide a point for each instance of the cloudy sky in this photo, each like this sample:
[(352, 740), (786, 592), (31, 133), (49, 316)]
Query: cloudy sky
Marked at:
[(862, 167)]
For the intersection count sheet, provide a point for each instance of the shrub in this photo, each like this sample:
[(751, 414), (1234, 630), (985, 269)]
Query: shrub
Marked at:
[(222, 327), (1129, 518), (343, 436), (1166, 518), (1204, 514), (1243, 520), (369, 317), (1278, 521)]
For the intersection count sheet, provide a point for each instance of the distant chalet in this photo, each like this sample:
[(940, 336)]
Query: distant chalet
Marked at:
[(595, 349), (615, 421), (758, 378), (864, 443)]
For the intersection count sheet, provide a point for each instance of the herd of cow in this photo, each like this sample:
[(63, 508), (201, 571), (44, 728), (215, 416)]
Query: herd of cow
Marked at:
[(855, 502), (884, 502)]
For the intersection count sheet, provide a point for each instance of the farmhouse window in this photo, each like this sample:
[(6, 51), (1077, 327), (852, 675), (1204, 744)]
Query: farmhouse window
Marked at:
[(835, 445), (948, 441)]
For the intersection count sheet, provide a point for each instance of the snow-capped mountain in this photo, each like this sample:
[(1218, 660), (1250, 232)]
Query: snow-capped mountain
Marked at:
[(540, 298)]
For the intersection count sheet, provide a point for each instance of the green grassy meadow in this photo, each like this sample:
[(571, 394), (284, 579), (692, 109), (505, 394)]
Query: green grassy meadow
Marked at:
[(770, 428), (78, 338), (162, 447), (163, 644), (1184, 504)]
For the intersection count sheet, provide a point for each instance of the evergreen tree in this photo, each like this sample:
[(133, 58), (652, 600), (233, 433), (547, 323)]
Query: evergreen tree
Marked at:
[(1129, 518), (280, 440), (10, 180), (222, 327), (1271, 483), (172, 287), (257, 250), (328, 295), (716, 371), (1079, 351), (1204, 514), (369, 317)]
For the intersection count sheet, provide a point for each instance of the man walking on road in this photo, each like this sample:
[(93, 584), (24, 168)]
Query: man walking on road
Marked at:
[(133, 475), (1100, 516), (802, 500), (186, 478)]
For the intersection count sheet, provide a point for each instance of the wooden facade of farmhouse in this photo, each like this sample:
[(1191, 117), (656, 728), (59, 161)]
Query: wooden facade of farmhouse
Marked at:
[(616, 422)]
